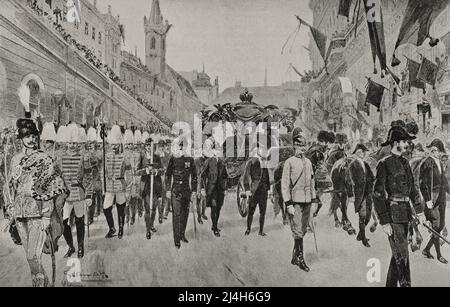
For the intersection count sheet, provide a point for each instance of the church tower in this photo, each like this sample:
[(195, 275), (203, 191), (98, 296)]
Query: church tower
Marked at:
[(155, 40)]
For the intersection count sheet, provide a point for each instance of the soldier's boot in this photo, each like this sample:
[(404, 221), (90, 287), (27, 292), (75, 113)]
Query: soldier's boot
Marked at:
[(319, 206), (14, 233), (127, 214), (426, 252), (362, 235), (148, 223), (67, 233), (91, 213), (204, 213), (199, 213), (152, 221), (132, 213), (110, 221), (404, 273), (301, 260), (262, 219), (121, 217), (437, 246), (79, 222), (249, 225), (140, 208), (294, 260)]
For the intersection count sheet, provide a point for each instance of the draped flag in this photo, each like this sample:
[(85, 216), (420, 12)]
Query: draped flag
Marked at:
[(413, 72), (321, 40), (344, 8), (417, 21), (363, 106), (375, 93), (428, 72), (376, 34)]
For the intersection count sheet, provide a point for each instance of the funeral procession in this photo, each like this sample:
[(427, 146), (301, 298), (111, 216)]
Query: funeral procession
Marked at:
[(224, 143)]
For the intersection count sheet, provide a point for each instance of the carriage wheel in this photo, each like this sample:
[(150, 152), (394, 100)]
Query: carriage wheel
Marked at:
[(242, 202)]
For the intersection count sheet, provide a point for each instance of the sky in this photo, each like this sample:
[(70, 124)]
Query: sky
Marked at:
[(234, 39)]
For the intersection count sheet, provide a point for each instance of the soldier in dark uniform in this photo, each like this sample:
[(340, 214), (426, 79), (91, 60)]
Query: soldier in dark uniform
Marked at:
[(180, 170), (213, 186), (434, 188), (151, 167), (394, 190), (257, 186)]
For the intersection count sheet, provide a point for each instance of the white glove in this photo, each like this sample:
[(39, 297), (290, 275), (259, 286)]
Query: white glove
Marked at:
[(169, 194), (430, 205), (248, 193), (45, 223), (388, 230), (422, 218), (291, 210), (203, 193)]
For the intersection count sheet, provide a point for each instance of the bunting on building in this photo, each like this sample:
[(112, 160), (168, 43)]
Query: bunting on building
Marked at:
[(428, 72), (417, 21), (375, 94)]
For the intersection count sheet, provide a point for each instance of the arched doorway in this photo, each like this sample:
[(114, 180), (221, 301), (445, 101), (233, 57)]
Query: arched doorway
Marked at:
[(37, 90)]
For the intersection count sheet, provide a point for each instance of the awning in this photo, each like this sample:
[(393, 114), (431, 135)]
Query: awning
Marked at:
[(346, 84)]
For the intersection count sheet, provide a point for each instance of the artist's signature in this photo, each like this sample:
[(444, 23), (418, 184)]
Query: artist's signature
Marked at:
[(75, 281)]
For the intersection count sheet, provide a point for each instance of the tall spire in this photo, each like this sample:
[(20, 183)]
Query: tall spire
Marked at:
[(155, 13), (265, 78)]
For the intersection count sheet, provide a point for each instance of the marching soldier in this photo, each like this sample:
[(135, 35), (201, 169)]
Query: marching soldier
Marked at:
[(151, 171), (133, 180), (48, 139), (213, 185), (362, 189), (73, 170), (139, 149), (164, 156), (35, 183), (97, 178), (92, 167), (394, 190), (434, 188), (257, 186), (115, 183), (181, 168), (298, 188)]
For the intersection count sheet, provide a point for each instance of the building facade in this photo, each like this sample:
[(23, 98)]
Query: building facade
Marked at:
[(65, 86), (206, 91)]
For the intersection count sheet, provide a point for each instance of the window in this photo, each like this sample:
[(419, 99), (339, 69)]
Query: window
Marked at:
[(100, 38), (163, 95), (153, 43), (86, 28), (76, 24), (93, 33)]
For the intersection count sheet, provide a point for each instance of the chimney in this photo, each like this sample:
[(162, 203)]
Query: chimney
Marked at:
[(109, 9)]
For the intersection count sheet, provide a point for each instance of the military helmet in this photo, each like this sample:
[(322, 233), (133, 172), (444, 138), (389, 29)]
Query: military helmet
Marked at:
[(115, 136), (91, 135), (62, 135), (128, 137), (48, 132)]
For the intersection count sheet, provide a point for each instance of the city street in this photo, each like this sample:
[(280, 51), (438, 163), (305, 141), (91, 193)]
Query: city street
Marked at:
[(230, 261)]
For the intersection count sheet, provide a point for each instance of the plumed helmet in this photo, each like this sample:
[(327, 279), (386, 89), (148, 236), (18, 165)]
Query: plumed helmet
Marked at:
[(396, 134), (62, 135), (412, 128), (115, 136), (48, 132), (341, 139), (92, 135), (128, 137), (82, 136), (73, 133), (322, 136), (438, 144), (145, 137), (137, 137), (331, 137)]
